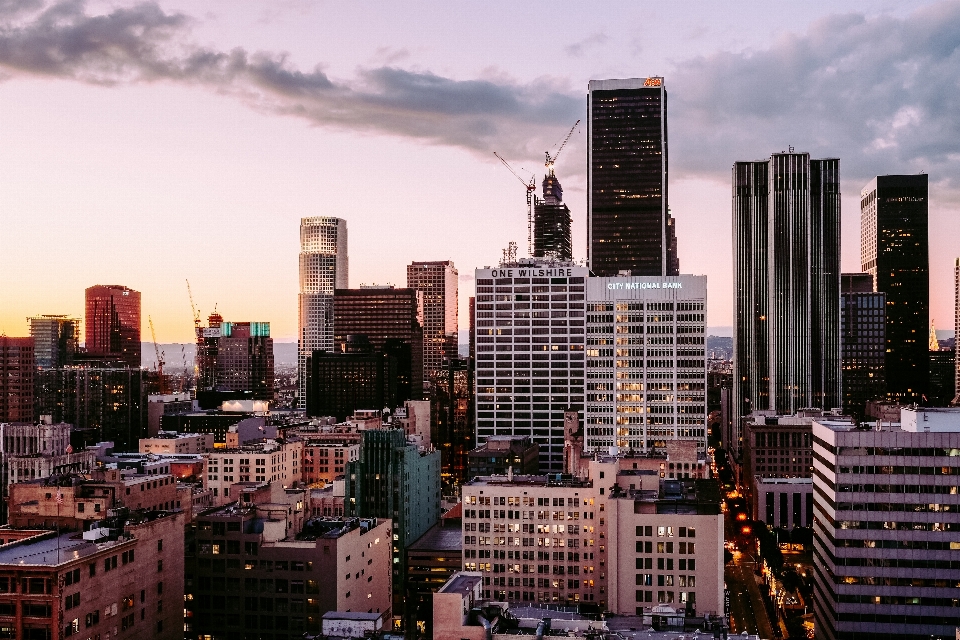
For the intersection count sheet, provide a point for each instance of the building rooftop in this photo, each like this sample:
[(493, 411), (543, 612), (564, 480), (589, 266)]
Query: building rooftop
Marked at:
[(784, 480), (351, 615), (332, 528), (689, 496), (439, 538), (548, 480), (461, 583)]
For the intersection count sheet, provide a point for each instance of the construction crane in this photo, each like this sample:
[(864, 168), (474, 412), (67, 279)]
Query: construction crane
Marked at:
[(530, 187), (552, 159), (196, 314), (156, 348)]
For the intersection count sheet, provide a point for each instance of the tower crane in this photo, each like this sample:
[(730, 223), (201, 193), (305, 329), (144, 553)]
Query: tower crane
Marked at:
[(196, 314), (552, 159), (530, 187), (156, 348)]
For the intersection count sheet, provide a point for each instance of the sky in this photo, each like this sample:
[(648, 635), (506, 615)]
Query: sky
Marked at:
[(147, 144)]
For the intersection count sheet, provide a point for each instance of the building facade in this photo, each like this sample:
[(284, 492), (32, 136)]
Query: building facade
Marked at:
[(17, 373), (786, 239), (437, 283), (551, 222), (237, 356), (646, 366), (279, 461), (123, 579), (628, 219), (894, 250), (342, 383), (530, 352), (863, 343), (323, 269), (56, 339), (387, 316), (112, 323), (885, 525), (501, 455)]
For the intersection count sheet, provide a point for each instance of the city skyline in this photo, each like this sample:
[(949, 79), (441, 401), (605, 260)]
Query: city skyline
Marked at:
[(151, 155)]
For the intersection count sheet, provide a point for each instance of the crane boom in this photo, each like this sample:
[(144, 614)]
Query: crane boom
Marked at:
[(552, 159), (531, 187), (156, 348)]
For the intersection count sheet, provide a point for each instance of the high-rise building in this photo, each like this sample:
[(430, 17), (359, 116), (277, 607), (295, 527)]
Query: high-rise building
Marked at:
[(398, 478), (862, 319), (437, 282), (55, 339), (360, 377), (17, 370), (894, 250), (786, 232), (551, 222), (884, 528), (629, 227), (646, 366), (323, 269), (112, 323), (237, 357), (454, 431), (382, 314), (956, 332), (530, 352)]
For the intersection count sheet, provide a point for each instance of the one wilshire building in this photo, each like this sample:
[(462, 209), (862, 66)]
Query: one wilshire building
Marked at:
[(786, 238), (629, 228)]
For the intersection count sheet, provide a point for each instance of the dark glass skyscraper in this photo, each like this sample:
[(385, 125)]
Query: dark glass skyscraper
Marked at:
[(893, 249), (786, 226), (112, 323), (628, 222), (862, 328), (551, 222)]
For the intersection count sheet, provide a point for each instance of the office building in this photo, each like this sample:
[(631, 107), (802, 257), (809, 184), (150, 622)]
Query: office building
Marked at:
[(323, 269), (894, 250), (630, 540), (396, 479), (551, 222), (885, 527), (175, 443), (103, 404), (785, 503), (956, 327), (268, 460), (385, 315), (438, 284), (646, 366), (326, 460), (262, 563), (236, 357), (123, 579), (863, 327), (431, 561), (940, 390), (17, 375), (112, 324), (55, 340), (530, 352), (501, 455), (360, 378), (629, 227), (786, 229), (452, 410)]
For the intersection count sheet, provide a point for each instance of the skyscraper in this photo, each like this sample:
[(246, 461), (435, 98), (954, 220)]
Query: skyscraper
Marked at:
[(323, 269), (863, 321), (437, 281), (786, 239), (629, 227), (238, 357), (530, 361), (382, 314), (956, 328), (17, 370), (55, 339), (893, 249), (551, 222), (112, 323)]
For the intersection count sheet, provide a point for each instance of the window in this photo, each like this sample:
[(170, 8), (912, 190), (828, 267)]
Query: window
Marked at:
[(159, 545)]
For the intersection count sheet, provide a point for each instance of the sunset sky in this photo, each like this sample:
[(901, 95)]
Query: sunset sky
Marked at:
[(145, 144)]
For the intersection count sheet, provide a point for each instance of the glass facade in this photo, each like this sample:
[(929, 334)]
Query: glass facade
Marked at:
[(437, 283), (55, 338), (893, 249), (786, 226), (628, 228), (112, 326), (862, 323)]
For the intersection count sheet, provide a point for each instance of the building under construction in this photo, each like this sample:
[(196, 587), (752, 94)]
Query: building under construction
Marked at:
[(551, 222)]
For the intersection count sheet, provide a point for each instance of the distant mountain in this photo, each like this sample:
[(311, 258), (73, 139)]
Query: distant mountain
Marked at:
[(720, 347), (175, 354)]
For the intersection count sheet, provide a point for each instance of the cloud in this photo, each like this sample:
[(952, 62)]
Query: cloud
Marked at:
[(881, 93), (143, 43), (577, 49)]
